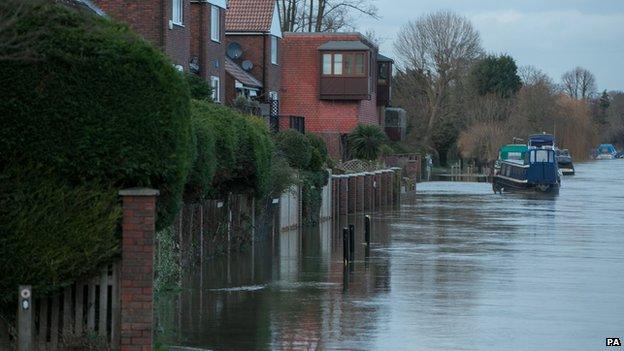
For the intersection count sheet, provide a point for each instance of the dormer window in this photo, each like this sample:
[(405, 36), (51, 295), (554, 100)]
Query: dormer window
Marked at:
[(349, 64)]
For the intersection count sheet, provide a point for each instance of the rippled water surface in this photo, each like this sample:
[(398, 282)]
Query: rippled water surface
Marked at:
[(454, 268)]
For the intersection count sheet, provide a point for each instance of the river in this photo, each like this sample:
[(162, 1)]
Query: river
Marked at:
[(455, 267)]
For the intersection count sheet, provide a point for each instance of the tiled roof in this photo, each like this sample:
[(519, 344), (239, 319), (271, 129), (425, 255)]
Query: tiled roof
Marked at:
[(240, 75), (344, 45), (249, 15)]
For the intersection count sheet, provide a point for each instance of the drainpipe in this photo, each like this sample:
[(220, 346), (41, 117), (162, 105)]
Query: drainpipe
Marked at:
[(163, 11), (264, 68)]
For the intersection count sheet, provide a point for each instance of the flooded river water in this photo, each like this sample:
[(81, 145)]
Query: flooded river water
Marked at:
[(454, 268)]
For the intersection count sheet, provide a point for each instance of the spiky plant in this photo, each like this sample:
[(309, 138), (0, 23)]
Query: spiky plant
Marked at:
[(365, 142)]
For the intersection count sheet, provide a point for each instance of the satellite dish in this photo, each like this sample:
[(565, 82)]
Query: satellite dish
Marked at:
[(234, 51), (247, 65)]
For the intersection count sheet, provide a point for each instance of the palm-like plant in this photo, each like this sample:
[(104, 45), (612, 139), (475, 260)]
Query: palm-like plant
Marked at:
[(365, 142)]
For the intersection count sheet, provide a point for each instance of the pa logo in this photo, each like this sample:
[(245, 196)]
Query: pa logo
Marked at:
[(614, 342)]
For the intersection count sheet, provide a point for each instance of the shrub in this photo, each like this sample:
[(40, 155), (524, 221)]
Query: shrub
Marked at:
[(365, 142), (52, 233), (98, 104), (199, 184), (243, 150), (319, 154), (199, 87), (295, 147)]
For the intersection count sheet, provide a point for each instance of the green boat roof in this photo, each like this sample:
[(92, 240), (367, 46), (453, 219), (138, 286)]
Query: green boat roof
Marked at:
[(514, 148), (505, 150)]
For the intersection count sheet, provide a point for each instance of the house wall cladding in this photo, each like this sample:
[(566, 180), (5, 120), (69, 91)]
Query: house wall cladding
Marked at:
[(211, 54), (300, 92), (151, 20), (257, 49)]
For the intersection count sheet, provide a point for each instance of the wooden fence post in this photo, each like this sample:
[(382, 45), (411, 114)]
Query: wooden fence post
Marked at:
[(137, 268), (25, 319)]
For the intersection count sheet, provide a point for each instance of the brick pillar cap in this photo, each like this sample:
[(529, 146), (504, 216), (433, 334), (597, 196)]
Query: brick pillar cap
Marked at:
[(139, 192), (396, 168)]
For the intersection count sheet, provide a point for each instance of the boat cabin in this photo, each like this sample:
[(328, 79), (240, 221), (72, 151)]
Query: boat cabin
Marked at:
[(542, 140)]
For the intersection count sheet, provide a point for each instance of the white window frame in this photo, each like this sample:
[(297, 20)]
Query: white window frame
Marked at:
[(274, 50), (215, 83), (177, 12), (215, 23)]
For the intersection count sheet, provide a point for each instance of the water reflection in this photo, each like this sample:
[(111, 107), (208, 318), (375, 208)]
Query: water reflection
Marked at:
[(456, 267)]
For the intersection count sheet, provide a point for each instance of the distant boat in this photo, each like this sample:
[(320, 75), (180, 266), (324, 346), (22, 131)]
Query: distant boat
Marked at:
[(606, 152), (531, 167), (564, 162)]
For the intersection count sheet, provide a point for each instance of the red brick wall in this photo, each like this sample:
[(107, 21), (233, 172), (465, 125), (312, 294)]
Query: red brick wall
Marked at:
[(211, 54), (300, 91), (151, 20), (137, 268), (257, 49)]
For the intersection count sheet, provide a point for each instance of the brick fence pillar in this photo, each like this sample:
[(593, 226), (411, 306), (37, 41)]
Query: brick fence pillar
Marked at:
[(376, 190), (368, 190), (334, 196), (397, 176), (359, 203), (390, 187), (343, 196), (137, 268), (352, 193)]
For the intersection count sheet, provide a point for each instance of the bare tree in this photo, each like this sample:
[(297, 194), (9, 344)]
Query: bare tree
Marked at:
[(323, 15), (16, 44), (579, 83), (531, 75), (436, 50)]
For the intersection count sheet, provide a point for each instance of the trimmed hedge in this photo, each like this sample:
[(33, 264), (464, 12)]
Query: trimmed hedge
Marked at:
[(199, 184), (243, 150), (99, 104), (319, 154), (52, 233)]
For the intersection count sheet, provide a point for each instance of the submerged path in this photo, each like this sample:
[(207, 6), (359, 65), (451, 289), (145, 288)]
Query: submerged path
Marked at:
[(456, 268)]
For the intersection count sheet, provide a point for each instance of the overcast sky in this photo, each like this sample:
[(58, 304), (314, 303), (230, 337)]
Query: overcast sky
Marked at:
[(553, 35)]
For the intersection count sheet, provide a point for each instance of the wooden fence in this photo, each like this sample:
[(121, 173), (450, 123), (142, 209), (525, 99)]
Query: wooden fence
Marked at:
[(84, 315)]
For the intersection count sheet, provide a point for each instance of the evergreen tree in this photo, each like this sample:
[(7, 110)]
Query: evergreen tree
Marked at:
[(496, 75)]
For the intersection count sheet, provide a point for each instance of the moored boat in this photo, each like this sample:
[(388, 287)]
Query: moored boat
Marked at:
[(605, 152), (564, 161), (536, 169)]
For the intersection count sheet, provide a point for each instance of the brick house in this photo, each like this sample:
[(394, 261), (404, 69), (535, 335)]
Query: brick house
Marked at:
[(331, 80), (191, 33), (253, 36)]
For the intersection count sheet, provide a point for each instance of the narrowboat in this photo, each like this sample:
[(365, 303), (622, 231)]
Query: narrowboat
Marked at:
[(564, 162), (606, 152), (536, 169)]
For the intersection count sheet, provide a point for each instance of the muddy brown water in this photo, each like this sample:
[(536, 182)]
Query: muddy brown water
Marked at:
[(453, 268)]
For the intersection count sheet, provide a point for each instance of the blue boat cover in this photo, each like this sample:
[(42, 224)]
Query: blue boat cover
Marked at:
[(539, 140)]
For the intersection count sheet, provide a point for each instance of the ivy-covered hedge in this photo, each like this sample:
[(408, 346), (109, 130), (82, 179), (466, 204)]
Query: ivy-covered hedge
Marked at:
[(242, 154), (96, 104)]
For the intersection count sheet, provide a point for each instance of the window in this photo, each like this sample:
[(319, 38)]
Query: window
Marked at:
[(215, 84), (215, 23), (383, 72), (347, 64), (541, 156), (327, 64), (177, 11), (274, 50)]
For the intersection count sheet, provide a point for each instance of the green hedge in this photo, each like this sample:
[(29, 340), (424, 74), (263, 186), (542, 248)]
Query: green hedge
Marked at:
[(294, 147), (98, 104), (243, 150), (52, 233), (199, 184)]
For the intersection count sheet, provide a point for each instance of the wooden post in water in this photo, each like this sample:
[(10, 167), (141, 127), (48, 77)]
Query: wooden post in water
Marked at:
[(367, 228), (351, 242), (25, 319), (345, 245)]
